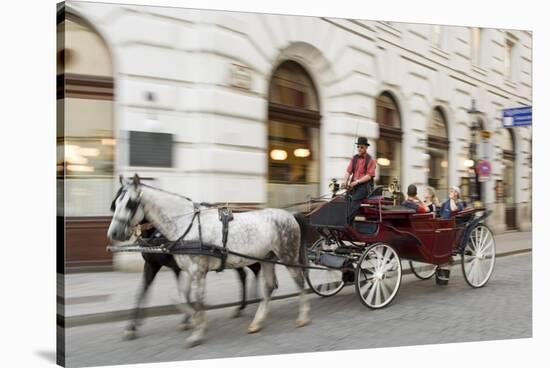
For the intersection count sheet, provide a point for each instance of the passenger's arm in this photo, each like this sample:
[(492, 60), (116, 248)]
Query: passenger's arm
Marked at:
[(422, 208), (453, 205)]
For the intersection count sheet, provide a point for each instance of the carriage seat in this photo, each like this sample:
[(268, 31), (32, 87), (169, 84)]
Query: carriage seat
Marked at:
[(397, 209)]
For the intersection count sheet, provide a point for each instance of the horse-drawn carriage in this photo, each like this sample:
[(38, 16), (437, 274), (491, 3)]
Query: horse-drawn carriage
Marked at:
[(369, 249), (366, 250)]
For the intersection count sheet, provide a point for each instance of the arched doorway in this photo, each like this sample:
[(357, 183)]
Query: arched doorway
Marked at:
[(85, 143), (388, 145), (508, 176), (438, 151), (293, 136)]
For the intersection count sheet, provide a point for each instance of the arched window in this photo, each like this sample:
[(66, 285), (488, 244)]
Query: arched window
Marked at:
[(388, 146), (85, 107), (293, 136), (438, 151), (85, 143)]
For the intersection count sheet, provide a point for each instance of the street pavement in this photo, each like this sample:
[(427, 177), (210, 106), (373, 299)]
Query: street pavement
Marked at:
[(110, 296), (421, 313)]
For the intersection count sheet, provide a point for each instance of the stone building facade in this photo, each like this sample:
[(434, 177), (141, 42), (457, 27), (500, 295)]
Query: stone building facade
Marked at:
[(264, 109)]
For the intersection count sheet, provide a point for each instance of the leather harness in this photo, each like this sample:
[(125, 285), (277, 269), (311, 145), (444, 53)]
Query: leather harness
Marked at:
[(181, 246)]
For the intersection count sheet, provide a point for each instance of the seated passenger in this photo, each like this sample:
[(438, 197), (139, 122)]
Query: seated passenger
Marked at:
[(452, 204), (413, 202), (431, 200)]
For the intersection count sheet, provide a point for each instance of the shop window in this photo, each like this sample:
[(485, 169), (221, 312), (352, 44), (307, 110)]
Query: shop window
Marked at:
[(293, 136)]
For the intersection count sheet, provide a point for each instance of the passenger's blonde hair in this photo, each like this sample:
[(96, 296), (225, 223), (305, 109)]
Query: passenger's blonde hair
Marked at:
[(431, 192)]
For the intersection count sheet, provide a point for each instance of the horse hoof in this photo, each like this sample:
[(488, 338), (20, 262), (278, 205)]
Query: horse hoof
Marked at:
[(254, 328), (237, 312), (191, 342), (302, 323), (130, 334), (184, 326)]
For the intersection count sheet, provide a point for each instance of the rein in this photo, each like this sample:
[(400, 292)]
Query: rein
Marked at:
[(196, 214)]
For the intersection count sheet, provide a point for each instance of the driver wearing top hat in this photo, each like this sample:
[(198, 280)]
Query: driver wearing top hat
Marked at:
[(359, 177)]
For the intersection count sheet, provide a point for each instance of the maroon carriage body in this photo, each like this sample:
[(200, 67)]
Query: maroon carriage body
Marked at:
[(422, 237)]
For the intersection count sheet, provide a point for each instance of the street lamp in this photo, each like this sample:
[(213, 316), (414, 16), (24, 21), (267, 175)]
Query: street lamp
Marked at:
[(471, 162)]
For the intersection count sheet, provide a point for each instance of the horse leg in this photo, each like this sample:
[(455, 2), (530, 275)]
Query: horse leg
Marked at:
[(303, 315), (270, 284), (150, 270), (242, 278), (199, 328), (256, 267), (184, 324), (184, 288)]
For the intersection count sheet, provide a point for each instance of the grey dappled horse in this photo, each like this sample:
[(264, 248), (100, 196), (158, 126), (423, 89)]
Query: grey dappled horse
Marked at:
[(260, 234), (153, 263)]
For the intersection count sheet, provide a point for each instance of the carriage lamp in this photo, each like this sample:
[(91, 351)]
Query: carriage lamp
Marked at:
[(382, 161), (334, 186), (469, 163), (394, 188)]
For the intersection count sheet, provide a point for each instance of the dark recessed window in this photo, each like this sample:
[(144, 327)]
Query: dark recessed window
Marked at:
[(150, 149)]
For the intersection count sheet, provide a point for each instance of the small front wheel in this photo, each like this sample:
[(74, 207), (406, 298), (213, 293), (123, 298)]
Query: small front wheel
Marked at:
[(478, 257), (327, 282), (378, 275), (423, 271)]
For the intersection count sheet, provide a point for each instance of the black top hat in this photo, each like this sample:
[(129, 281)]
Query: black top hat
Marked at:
[(362, 141)]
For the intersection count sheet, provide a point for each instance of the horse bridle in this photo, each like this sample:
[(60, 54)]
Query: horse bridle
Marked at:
[(132, 205)]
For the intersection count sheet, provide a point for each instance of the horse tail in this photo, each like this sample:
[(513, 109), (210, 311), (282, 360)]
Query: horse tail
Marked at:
[(301, 219)]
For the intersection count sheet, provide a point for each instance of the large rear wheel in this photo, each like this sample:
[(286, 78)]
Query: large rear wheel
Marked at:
[(378, 275), (323, 282), (478, 257)]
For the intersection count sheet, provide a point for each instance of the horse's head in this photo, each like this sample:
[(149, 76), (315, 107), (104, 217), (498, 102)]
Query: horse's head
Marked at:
[(127, 209)]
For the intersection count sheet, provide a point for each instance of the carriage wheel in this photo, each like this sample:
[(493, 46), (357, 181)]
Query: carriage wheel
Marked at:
[(378, 275), (478, 257), (423, 271), (323, 282)]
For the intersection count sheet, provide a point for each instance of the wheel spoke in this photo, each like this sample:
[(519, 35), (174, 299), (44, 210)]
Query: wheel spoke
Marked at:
[(472, 267), (484, 267), (369, 294), (470, 246), (475, 273), (378, 293), (388, 261), (379, 258), (487, 233), (486, 246), (385, 292), (468, 260)]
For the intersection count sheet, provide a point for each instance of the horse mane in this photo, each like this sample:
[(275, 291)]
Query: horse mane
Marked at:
[(166, 191)]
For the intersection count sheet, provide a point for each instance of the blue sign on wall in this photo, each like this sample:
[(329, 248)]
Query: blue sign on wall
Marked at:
[(518, 116)]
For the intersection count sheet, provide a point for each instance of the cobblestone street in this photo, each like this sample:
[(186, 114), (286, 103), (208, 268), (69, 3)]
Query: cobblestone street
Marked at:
[(422, 313)]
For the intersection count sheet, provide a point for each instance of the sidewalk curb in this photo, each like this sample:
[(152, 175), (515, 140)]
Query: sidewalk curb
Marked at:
[(165, 310)]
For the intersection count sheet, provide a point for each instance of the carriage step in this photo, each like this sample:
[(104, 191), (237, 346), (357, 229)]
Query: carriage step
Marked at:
[(332, 260)]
